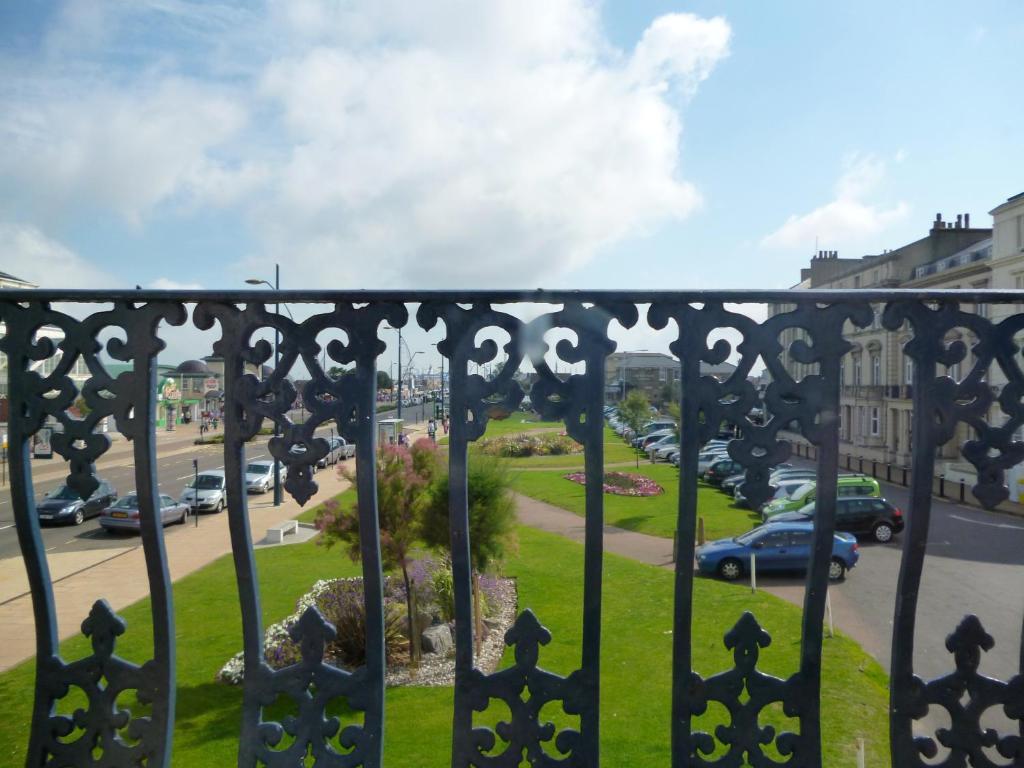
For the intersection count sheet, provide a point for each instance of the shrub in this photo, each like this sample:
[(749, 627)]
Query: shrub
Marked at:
[(525, 444)]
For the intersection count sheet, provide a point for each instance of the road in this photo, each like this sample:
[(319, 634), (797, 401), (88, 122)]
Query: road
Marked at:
[(973, 565)]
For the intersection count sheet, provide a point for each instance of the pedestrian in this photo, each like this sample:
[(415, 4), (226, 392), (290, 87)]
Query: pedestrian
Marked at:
[(444, 424), (432, 430), (401, 438)]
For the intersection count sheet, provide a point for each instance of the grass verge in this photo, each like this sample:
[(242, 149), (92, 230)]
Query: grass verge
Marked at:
[(636, 646), (655, 515)]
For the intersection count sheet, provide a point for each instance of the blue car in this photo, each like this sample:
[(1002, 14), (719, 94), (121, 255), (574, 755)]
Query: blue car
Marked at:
[(779, 547)]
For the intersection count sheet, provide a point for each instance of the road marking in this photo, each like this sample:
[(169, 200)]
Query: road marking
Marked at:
[(990, 525), (5, 527)]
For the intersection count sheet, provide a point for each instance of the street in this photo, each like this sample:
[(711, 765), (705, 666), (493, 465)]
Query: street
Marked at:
[(973, 565)]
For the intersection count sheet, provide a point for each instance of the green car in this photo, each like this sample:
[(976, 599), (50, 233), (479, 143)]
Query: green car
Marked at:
[(847, 485)]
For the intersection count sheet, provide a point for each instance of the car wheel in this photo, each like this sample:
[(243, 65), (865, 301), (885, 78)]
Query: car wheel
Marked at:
[(730, 569), (184, 517), (883, 533), (220, 507), (79, 517), (836, 570)]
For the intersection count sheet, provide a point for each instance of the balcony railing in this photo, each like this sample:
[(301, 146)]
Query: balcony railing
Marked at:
[(128, 328)]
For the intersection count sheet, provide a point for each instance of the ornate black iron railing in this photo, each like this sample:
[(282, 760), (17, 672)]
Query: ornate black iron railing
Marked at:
[(813, 322)]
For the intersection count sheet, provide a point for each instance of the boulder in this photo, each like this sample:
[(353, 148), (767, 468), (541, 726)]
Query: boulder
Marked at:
[(437, 639)]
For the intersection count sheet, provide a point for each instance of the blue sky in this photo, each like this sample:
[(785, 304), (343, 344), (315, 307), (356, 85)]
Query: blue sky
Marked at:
[(507, 144)]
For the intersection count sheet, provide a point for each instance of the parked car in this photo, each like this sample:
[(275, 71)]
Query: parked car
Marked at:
[(780, 490), (778, 547), (730, 483), (793, 473), (660, 449), (664, 426), (859, 515), (65, 505), (338, 449), (207, 492), (259, 475), (123, 514), (647, 440), (846, 485), (722, 469), (707, 458)]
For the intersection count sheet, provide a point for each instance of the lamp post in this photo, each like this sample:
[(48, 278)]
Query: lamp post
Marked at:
[(625, 369), (442, 381), (390, 328), (277, 310)]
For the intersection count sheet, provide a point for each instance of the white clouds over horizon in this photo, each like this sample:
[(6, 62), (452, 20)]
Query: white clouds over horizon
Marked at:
[(849, 217), (373, 146)]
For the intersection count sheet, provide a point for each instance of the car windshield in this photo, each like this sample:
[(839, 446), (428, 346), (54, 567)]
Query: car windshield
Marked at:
[(128, 502), (207, 483), (257, 469), (802, 490), (64, 493), (748, 537), (807, 509)]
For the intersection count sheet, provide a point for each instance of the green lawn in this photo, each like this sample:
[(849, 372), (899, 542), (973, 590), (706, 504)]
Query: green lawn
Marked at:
[(637, 646), (655, 515)]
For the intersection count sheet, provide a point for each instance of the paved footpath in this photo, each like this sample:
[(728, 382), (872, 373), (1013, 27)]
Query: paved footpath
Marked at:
[(118, 575)]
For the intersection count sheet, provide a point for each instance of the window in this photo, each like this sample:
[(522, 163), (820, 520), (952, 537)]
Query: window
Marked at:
[(876, 369), (842, 371), (908, 370), (874, 276), (874, 422), (856, 281), (856, 369)]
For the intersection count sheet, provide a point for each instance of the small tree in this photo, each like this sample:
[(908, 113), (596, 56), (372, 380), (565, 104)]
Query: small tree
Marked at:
[(492, 518), (384, 380), (635, 412), (403, 481)]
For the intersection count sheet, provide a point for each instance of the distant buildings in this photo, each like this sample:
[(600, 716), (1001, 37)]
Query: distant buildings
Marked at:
[(876, 377), (653, 373)]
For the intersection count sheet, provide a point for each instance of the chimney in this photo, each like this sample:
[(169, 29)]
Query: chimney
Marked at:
[(938, 221), (959, 221), (967, 221)]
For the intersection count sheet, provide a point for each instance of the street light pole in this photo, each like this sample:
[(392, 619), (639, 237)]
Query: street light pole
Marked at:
[(277, 429)]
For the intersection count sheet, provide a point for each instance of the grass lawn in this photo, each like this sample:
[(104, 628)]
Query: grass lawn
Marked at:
[(637, 646), (655, 515)]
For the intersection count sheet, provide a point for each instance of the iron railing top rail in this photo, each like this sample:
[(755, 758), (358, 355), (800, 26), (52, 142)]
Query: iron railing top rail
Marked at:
[(538, 295)]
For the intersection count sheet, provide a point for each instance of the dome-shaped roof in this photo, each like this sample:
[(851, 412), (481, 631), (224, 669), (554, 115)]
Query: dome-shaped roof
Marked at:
[(193, 366)]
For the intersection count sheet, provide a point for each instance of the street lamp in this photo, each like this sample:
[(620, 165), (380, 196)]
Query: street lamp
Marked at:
[(442, 379), (390, 328), (276, 286), (625, 369)]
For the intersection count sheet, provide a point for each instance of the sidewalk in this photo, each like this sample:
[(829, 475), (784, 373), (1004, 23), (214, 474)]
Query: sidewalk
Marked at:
[(118, 574)]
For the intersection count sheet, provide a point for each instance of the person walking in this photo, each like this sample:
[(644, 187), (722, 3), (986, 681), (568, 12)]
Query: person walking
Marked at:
[(432, 430)]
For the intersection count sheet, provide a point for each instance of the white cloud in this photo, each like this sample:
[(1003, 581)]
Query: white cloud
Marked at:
[(375, 144), (30, 255), (849, 216), (166, 284)]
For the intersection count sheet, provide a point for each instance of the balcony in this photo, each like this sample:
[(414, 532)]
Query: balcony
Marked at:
[(130, 328)]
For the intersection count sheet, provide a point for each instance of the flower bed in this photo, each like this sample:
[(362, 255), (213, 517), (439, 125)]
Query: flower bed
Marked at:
[(525, 444), (341, 603), (622, 483)]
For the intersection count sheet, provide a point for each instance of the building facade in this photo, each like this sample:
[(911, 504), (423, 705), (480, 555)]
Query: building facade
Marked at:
[(876, 377), (655, 374)]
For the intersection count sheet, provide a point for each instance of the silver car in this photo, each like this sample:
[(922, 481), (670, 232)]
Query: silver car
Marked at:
[(206, 492), (259, 475), (123, 514)]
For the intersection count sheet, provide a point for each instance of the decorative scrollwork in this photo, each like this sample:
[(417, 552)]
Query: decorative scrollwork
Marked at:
[(51, 395), (312, 685), (102, 677), (744, 736), (555, 397), (485, 399), (966, 695), (969, 400), (525, 734), (786, 400), (324, 398)]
